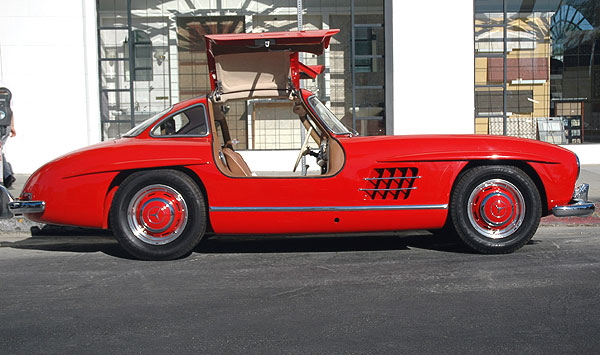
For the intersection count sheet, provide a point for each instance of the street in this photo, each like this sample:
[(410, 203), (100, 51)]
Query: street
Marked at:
[(402, 293)]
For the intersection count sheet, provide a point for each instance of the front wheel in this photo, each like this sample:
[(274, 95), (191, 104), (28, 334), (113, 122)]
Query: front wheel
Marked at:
[(495, 209), (158, 214)]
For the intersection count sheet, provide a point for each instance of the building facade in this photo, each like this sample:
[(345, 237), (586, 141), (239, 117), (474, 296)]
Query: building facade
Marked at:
[(537, 66), (86, 71)]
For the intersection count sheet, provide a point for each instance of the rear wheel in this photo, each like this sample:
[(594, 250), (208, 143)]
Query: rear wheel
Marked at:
[(495, 209), (158, 214)]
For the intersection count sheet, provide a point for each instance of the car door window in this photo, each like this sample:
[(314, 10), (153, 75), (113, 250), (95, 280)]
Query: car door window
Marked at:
[(191, 122)]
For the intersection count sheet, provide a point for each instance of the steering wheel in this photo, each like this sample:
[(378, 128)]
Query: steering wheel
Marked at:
[(303, 148)]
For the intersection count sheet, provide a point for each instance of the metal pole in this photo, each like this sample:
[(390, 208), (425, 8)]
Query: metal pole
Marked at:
[(353, 64), (131, 66), (504, 69), (299, 8)]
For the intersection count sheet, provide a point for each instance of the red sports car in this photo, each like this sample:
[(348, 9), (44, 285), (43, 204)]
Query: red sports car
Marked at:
[(175, 177)]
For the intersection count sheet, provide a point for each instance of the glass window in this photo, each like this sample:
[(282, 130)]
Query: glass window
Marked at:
[(191, 122), (538, 62), (168, 62), (332, 122)]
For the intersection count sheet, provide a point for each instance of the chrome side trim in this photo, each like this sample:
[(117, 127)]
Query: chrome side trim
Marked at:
[(329, 208), (400, 189), (393, 178)]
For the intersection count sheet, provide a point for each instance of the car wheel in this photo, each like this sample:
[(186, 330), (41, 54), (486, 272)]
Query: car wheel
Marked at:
[(158, 214), (495, 209)]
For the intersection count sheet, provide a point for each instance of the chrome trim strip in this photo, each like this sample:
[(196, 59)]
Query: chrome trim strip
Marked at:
[(393, 178), (329, 208), (400, 189)]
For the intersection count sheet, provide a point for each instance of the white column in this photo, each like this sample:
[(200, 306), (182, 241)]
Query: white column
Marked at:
[(433, 74), (92, 90)]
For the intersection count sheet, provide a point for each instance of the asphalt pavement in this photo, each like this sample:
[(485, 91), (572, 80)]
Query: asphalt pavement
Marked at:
[(402, 293)]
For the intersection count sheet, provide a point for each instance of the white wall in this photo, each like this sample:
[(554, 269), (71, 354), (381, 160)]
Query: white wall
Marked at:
[(588, 154), (45, 63), (433, 67)]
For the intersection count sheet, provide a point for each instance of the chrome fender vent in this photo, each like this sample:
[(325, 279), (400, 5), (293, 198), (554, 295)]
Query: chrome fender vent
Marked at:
[(390, 183)]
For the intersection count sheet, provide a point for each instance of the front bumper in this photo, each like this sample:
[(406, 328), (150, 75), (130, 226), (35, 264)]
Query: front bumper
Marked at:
[(9, 207), (579, 207)]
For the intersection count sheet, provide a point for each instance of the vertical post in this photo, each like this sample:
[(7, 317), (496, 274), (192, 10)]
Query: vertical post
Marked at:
[(388, 29), (504, 68), (302, 131), (2, 163), (353, 63), (299, 14), (131, 67)]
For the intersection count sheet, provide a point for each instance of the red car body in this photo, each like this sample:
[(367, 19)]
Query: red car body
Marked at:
[(383, 183)]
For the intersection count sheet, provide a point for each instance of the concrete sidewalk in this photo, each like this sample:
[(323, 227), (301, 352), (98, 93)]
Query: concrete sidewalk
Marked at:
[(589, 174)]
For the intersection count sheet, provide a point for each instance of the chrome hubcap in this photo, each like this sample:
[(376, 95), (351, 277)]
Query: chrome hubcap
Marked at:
[(496, 208), (157, 214)]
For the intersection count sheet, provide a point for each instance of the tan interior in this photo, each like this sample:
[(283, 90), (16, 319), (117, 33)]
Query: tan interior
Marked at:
[(336, 158), (237, 165), (232, 163), (218, 155), (251, 75)]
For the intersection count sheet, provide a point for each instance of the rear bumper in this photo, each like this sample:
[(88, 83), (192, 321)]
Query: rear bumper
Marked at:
[(9, 207), (579, 206)]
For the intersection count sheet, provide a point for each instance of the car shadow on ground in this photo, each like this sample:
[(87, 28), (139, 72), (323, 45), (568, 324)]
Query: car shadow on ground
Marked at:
[(68, 239), (329, 243), (80, 240)]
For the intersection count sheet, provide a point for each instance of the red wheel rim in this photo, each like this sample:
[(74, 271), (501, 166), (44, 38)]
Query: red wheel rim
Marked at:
[(157, 214), (496, 208)]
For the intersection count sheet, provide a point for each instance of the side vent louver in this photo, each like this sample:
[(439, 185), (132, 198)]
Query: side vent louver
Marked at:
[(391, 183)]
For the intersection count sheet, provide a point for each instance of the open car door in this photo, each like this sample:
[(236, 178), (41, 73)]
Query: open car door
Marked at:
[(265, 65), (250, 65)]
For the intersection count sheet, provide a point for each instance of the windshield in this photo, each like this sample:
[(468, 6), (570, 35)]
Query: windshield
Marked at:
[(333, 123), (147, 123)]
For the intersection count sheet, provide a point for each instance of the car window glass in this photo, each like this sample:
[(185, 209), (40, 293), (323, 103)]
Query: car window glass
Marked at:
[(191, 122), (335, 125)]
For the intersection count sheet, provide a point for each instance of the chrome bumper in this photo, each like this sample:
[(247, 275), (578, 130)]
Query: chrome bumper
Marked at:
[(9, 207), (580, 206)]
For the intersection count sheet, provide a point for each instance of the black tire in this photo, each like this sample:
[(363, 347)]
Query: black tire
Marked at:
[(495, 209), (158, 214)]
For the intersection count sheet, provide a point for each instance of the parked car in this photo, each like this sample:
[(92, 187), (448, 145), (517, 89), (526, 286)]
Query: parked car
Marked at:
[(176, 177)]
